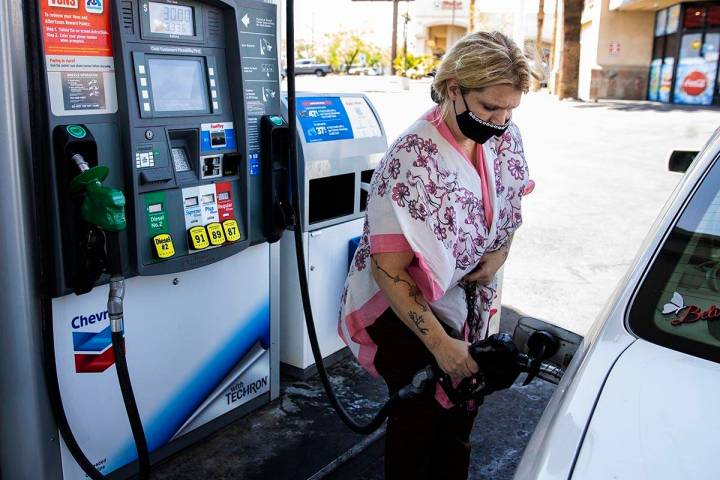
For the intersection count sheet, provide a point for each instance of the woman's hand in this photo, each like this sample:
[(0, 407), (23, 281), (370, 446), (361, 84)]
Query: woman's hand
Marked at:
[(489, 265), (453, 357)]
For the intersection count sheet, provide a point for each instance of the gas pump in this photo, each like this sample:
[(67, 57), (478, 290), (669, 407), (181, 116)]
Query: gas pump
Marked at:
[(340, 139), (102, 218), (145, 192)]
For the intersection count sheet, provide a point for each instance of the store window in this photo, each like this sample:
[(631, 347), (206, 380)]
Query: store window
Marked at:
[(713, 16), (656, 66), (697, 67), (666, 72), (685, 55), (694, 17), (673, 20), (660, 23)]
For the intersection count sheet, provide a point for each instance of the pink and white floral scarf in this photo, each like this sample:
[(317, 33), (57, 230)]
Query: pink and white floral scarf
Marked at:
[(426, 197)]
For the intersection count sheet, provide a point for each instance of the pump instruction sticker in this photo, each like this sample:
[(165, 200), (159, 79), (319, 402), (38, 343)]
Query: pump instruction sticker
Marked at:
[(363, 121), (217, 136), (323, 119), (78, 56)]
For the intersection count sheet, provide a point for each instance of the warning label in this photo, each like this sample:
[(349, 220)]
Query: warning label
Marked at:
[(78, 56), (83, 91)]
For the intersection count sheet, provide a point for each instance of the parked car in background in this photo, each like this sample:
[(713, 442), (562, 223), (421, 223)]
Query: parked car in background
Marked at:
[(364, 70), (308, 66), (640, 398)]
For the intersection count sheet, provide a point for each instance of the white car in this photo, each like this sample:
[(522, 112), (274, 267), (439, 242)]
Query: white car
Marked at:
[(641, 397)]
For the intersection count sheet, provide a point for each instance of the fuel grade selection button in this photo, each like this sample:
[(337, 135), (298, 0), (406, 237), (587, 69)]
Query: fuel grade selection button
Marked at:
[(164, 247), (232, 232), (198, 238), (215, 232)]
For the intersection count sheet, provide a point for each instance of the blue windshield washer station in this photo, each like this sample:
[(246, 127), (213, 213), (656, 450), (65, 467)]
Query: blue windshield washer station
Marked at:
[(341, 139)]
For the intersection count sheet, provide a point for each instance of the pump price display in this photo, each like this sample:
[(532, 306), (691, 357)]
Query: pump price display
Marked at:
[(215, 232), (171, 19)]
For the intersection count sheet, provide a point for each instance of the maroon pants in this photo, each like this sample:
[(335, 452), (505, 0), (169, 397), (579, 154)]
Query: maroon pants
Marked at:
[(423, 440)]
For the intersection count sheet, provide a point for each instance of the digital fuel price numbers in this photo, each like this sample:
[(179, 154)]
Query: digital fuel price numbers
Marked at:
[(171, 19)]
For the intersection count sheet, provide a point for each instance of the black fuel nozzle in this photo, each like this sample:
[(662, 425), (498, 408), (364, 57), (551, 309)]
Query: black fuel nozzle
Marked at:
[(499, 361), (541, 346), (420, 382), (500, 364)]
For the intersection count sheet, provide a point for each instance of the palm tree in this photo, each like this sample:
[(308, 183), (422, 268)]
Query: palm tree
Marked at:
[(471, 26), (570, 61), (539, 51)]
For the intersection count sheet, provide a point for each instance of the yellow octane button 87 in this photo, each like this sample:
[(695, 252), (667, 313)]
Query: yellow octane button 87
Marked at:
[(232, 232), (198, 238), (215, 232), (164, 247)]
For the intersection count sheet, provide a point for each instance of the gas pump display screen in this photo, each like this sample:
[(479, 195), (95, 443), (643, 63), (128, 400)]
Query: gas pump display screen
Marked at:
[(178, 85), (171, 19)]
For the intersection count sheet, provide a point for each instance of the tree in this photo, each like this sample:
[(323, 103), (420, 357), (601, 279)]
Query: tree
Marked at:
[(304, 49), (375, 56), (538, 40), (347, 48), (553, 50), (344, 49), (570, 60), (471, 25), (412, 66)]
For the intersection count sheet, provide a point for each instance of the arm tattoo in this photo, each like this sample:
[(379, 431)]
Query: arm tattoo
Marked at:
[(505, 247), (415, 293), (418, 320)]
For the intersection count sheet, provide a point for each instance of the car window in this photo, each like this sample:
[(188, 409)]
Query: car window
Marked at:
[(678, 304)]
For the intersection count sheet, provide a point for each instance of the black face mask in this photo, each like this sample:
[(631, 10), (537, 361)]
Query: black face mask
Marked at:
[(476, 128)]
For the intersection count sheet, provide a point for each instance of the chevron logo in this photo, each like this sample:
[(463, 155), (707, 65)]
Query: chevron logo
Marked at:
[(93, 351)]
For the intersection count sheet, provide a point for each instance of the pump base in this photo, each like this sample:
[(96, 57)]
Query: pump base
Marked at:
[(304, 373)]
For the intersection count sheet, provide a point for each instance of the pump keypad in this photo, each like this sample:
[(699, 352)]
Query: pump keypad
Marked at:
[(163, 244), (215, 233), (198, 238), (232, 232)]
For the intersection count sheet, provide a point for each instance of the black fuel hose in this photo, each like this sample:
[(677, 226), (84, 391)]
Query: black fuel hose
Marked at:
[(116, 298), (118, 345), (347, 419), (116, 314), (56, 403), (51, 379)]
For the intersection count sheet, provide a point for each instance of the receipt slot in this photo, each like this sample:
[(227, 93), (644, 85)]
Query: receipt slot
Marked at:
[(164, 99), (340, 141)]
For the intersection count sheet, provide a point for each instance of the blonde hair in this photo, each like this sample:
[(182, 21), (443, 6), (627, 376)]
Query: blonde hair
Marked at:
[(480, 60)]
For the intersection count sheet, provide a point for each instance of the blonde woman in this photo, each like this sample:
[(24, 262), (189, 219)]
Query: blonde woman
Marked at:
[(443, 206)]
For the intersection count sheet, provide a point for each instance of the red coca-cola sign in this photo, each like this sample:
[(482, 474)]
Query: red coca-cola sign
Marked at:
[(695, 83)]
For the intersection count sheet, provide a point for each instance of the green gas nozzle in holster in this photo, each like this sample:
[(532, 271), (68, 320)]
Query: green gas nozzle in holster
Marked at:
[(102, 206)]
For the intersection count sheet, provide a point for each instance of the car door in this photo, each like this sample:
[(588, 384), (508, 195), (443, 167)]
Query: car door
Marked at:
[(655, 418)]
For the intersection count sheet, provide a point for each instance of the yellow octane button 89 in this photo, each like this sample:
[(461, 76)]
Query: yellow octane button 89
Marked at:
[(163, 245), (232, 232), (215, 232), (198, 238)]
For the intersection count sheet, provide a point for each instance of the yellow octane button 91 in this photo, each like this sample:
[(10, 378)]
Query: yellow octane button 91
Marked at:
[(232, 232), (215, 232), (198, 238), (163, 245)]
